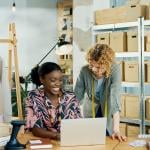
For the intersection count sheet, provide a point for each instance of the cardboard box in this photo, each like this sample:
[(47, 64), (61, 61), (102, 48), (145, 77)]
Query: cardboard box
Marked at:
[(147, 48), (123, 129), (131, 71), (120, 14), (103, 38), (148, 11), (118, 41), (133, 130), (147, 71), (136, 11), (147, 130), (131, 101), (135, 2), (122, 114), (0, 68), (111, 15), (132, 41), (147, 108)]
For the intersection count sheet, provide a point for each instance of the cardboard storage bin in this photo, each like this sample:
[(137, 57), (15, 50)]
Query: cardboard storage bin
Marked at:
[(147, 71), (118, 41), (122, 113), (123, 129), (135, 2), (131, 71), (0, 68), (132, 41), (130, 111), (111, 15), (136, 11), (103, 38), (147, 108), (133, 130), (147, 47)]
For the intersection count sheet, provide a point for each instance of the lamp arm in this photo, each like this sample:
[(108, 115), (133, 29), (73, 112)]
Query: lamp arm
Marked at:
[(47, 53), (44, 57)]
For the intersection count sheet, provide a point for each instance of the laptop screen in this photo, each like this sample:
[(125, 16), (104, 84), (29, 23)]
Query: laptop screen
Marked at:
[(84, 131)]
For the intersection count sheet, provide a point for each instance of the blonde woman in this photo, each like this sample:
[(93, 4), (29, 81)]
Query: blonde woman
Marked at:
[(98, 87)]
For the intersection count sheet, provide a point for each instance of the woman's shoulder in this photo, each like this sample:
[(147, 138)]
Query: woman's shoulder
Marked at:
[(39, 91), (85, 70)]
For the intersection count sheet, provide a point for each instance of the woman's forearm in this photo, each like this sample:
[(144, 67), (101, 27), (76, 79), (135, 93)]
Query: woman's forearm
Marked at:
[(116, 122), (40, 132)]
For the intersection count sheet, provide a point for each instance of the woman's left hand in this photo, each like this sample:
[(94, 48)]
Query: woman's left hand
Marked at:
[(117, 135)]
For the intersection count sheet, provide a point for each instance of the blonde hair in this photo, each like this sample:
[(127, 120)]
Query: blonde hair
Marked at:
[(102, 54)]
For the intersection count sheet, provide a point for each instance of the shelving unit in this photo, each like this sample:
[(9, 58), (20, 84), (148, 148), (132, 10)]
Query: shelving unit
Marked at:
[(140, 55), (65, 21)]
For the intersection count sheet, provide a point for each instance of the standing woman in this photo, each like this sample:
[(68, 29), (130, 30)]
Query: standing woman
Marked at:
[(47, 105), (99, 83)]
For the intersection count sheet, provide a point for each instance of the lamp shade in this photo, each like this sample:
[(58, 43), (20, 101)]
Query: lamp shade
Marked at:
[(64, 49)]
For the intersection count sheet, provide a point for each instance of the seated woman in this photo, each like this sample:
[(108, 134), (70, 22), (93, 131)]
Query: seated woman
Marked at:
[(47, 105)]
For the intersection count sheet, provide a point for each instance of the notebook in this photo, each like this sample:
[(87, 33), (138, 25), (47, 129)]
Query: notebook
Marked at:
[(43, 143), (84, 131)]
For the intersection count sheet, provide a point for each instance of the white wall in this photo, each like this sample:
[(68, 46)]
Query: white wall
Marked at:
[(36, 27), (83, 18), (36, 31)]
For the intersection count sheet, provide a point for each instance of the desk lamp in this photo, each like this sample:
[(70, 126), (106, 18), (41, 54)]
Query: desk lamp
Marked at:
[(62, 48), (13, 143)]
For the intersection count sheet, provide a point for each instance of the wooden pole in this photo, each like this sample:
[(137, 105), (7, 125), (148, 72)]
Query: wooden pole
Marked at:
[(5, 41), (10, 55), (18, 91)]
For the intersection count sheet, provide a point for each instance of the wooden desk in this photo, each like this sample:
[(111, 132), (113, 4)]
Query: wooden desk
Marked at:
[(110, 144)]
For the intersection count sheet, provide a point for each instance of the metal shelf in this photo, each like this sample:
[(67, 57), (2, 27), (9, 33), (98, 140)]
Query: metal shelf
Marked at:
[(130, 54), (146, 22), (147, 54), (141, 25), (103, 27), (130, 84), (126, 24), (128, 120), (127, 54), (134, 84), (115, 26)]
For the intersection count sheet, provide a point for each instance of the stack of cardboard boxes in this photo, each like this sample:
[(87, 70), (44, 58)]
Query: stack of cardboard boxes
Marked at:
[(127, 42), (121, 14)]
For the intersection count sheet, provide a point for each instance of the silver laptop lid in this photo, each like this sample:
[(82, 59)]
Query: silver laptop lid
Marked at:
[(84, 131)]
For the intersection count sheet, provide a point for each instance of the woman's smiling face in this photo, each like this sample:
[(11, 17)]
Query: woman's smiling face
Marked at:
[(52, 82)]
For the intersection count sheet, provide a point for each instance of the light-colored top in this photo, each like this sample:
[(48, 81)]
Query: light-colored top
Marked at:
[(109, 90)]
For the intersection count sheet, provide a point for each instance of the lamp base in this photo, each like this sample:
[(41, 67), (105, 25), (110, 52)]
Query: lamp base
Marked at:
[(16, 146)]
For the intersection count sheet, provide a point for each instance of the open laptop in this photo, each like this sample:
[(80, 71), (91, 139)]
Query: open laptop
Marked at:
[(84, 131)]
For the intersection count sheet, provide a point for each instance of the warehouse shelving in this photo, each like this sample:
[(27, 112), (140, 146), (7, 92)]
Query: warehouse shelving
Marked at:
[(140, 55)]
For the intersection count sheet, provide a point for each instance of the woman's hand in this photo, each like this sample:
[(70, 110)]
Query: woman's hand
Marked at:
[(117, 135)]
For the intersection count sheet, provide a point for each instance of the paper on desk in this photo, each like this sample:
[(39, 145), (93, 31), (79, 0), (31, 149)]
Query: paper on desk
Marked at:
[(138, 143), (4, 140)]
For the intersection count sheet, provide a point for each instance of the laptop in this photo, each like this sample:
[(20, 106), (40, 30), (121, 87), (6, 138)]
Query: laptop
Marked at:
[(83, 131)]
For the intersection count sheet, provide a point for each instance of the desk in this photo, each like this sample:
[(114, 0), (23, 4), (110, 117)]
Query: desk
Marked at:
[(110, 144)]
